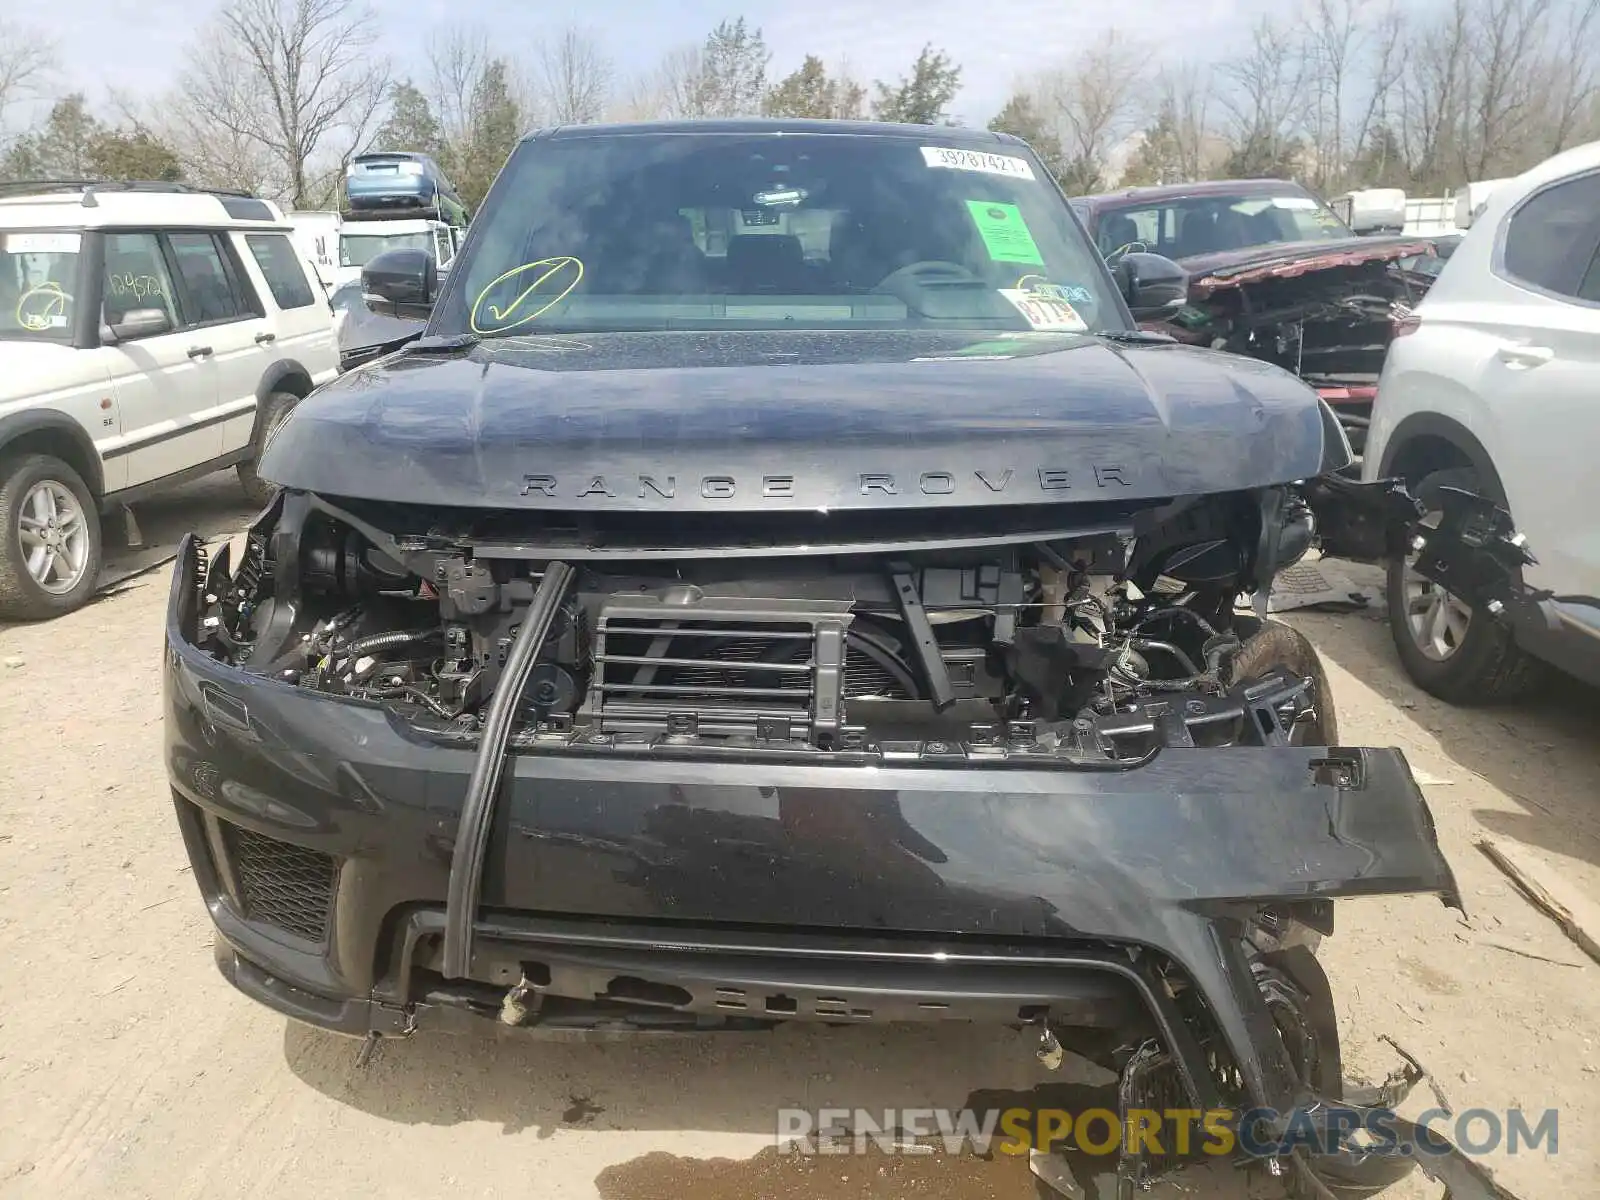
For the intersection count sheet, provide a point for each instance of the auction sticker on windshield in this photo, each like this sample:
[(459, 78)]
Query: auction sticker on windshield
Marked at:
[(42, 243), (1005, 234), (1046, 313), (975, 160)]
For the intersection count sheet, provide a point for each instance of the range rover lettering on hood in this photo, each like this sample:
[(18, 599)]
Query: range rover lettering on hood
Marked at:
[(871, 483), (709, 423)]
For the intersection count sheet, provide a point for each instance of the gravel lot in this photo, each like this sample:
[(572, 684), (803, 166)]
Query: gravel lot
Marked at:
[(128, 1068)]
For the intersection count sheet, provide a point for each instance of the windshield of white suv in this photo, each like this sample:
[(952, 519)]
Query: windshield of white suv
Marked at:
[(761, 230), (38, 279), (1218, 222), (358, 249)]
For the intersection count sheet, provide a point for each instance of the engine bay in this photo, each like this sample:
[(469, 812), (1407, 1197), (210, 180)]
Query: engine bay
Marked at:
[(1332, 325), (1103, 647)]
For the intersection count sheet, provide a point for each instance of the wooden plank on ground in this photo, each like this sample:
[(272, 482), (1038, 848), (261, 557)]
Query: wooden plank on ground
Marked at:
[(1578, 916)]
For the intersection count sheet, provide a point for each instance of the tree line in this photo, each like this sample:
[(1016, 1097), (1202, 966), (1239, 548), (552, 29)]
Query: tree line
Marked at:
[(276, 96)]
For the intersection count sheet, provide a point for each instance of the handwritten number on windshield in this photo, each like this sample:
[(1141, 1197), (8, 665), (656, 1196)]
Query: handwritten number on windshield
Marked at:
[(544, 284)]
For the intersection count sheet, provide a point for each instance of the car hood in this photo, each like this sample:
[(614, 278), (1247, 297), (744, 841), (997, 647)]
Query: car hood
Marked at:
[(785, 421), (1231, 268), (359, 328)]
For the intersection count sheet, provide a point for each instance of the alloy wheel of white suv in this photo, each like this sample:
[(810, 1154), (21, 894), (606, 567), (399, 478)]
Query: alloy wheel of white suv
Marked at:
[(1444, 646), (49, 538)]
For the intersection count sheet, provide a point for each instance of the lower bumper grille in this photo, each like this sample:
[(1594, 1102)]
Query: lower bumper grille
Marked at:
[(280, 884)]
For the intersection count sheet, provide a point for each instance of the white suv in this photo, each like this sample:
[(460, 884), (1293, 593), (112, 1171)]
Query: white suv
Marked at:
[(149, 334), (1493, 387)]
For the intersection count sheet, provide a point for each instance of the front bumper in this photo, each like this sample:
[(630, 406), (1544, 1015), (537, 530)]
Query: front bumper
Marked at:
[(682, 895)]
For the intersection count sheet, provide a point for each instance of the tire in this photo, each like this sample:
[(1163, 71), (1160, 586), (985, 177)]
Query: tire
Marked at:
[(70, 580), (1480, 664), (277, 406), (1269, 644)]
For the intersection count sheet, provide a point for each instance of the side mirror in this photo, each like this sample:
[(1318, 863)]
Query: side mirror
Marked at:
[(406, 280), (136, 323), (1154, 286)]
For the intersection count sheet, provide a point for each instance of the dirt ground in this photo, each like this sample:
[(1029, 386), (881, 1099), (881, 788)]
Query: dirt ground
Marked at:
[(128, 1068)]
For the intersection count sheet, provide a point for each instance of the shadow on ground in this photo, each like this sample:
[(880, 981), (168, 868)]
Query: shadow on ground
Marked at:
[(211, 506), (736, 1084)]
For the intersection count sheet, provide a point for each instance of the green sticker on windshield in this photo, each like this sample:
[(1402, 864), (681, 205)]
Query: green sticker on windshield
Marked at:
[(1004, 232)]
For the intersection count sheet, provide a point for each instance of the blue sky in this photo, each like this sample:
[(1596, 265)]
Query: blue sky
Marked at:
[(138, 45)]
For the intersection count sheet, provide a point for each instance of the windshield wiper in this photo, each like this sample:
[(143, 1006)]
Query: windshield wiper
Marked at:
[(441, 344), (1137, 336)]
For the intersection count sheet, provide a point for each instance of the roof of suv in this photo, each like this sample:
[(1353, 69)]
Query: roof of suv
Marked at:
[(91, 204), (949, 134), (1179, 191)]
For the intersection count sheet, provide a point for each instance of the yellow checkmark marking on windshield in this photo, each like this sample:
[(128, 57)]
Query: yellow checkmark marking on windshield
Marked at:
[(502, 315)]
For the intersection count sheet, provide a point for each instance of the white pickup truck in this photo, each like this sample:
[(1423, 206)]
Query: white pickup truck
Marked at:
[(339, 245)]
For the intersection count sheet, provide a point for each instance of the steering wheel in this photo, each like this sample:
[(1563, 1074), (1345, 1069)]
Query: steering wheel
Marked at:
[(931, 272)]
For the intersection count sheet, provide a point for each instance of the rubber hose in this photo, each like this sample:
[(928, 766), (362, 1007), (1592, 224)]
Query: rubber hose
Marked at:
[(387, 641)]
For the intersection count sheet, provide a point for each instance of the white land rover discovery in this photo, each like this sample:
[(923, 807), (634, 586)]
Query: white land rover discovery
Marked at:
[(149, 334)]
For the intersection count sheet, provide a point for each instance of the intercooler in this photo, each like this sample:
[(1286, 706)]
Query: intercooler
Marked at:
[(755, 667)]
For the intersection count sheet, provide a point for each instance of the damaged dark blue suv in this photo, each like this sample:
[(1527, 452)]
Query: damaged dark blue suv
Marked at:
[(782, 583)]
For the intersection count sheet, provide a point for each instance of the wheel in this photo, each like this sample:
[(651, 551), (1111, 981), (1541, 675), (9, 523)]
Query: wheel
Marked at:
[(49, 538), (1447, 650), (1270, 644), (273, 412), (1295, 988)]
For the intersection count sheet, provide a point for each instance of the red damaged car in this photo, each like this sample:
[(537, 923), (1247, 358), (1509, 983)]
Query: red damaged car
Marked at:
[(1273, 274)]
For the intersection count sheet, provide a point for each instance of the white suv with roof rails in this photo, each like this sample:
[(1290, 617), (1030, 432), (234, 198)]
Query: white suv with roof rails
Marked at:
[(149, 334)]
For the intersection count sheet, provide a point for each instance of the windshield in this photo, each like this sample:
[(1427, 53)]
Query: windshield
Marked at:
[(358, 249), (761, 230), (38, 277), (1216, 223), (346, 296)]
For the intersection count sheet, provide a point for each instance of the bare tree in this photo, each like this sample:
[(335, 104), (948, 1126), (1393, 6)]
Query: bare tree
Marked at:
[(678, 85), (297, 78), (1351, 65), (1333, 41), (573, 78), (1094, 103), (1503, 54), (1186, 96), (1386, 64), (1491, 87), (457, 59), (27, 58), (722, 76), (640, 97), (1571, 96), (1433, 92), (1268, 89), (209, 155)]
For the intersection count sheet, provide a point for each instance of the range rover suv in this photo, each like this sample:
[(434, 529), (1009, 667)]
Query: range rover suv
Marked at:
[(782, 583)]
